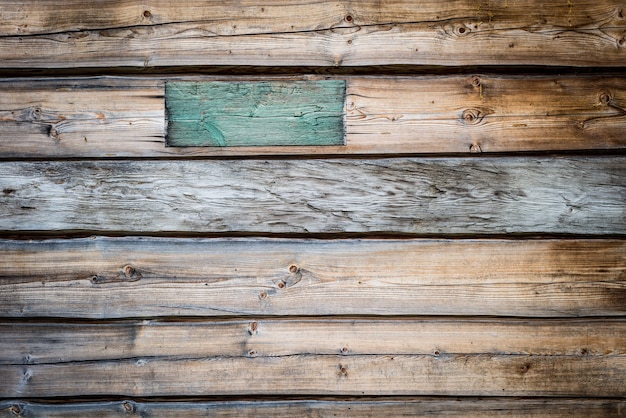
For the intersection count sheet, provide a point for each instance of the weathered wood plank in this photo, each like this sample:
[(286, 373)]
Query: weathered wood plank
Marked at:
[(79, 117), (59, 34), (53, 343), (361, 408), (412, 375), (581, 195), (261, 113), (44, 118), (147, 277)]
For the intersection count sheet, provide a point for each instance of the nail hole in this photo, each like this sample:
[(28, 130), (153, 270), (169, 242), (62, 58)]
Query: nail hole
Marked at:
[(293, 268), (128, 407), (147, 14), (461, 30), (254, 326), (476, 81), (344, 349), (281, 285), (349, 18), (436, 352), (605, 98), (129, 271), (263, 295)]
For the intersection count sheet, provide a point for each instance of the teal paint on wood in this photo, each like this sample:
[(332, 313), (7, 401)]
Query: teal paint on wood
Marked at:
[(267, 113)]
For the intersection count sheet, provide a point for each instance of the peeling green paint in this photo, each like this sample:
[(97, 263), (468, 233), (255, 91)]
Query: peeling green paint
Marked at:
[(266, 113)]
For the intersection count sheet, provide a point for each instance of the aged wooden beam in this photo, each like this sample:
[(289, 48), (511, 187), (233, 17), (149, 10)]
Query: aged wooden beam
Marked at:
[(148, 277), (261, 113), (364, 407), (124, 117), (310, 374), (60, 34), (55, 343), (577, 195)]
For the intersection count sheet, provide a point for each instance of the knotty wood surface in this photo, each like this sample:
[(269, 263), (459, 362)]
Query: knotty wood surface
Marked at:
[(580, 195), (361, 407), (60, 34), (148, 277), (125, 116)]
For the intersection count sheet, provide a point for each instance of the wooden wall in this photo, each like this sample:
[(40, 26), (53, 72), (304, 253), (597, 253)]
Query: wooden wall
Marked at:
[(462, 254)]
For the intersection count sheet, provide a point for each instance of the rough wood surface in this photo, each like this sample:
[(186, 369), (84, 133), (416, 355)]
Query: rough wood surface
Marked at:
[(310, 374), (147, 277), (55, 343), (580, 195), (60, 34), (119, 117), (260, 113), (360, 408)]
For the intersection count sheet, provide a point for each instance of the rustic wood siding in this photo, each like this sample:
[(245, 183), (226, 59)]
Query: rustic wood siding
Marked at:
[(454, 246)]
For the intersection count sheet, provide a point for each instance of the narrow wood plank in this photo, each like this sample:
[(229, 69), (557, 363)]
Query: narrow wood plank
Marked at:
[(102, 117), (53, 343), (261, 113), (147, 277), (580, 195), (123, 117), (310, 33), (361, 408), (414, 375)]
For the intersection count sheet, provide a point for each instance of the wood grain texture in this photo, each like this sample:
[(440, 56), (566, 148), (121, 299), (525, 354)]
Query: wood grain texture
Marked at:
[(148, 277), (580, 195), (308, 374), (461, 32), (123, 116), (77, 117), (262, 113), (361, 408), (56, 343)]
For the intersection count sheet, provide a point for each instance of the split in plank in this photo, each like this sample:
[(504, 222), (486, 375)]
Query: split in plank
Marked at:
[(124, 117), (151, 277), (327, 407), (576, 195), (58, 34)]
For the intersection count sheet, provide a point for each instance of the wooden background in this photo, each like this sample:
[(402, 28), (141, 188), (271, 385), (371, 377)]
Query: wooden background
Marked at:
[(463, 254)]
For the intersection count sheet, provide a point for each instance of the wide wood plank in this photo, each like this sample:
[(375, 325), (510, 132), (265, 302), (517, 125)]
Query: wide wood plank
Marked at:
[(580, 195), (59, 34), (360, 408), (52, 343), (124, 117), (307, 374), (147, 277)]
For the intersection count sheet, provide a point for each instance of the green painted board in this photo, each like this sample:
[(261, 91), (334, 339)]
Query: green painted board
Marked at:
[(266, 113)]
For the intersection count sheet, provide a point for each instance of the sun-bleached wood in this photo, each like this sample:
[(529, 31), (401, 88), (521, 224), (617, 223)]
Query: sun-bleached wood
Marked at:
[(307, 374), (124, 116), (148, 277), (60, 34), (55, 343), (362, 407), (579, 195)]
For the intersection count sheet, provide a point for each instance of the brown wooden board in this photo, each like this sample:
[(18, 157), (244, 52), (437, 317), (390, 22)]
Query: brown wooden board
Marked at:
[(125, 116), (64, 34), (147, 277)]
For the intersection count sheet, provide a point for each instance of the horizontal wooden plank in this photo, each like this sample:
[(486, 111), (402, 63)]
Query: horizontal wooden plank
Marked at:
[(361, 408), (124, 117), (60, 34), (55, 343), (261, 113), (580, 195), (449, 375), (147, 277)]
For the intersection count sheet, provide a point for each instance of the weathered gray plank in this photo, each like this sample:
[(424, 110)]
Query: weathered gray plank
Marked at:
[(261, 113), (413, 375), (583, 195), (54, 343), (463, 32), (124, 116), (147, 277), (361, 408)]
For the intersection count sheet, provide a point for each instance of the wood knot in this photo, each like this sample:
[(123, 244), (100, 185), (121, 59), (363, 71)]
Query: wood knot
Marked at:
[(343, 370), (129, 408), (476, 81), (16, 410), (475, 149), (253, 328), (130, 273), (605, 99), (472, 116)]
